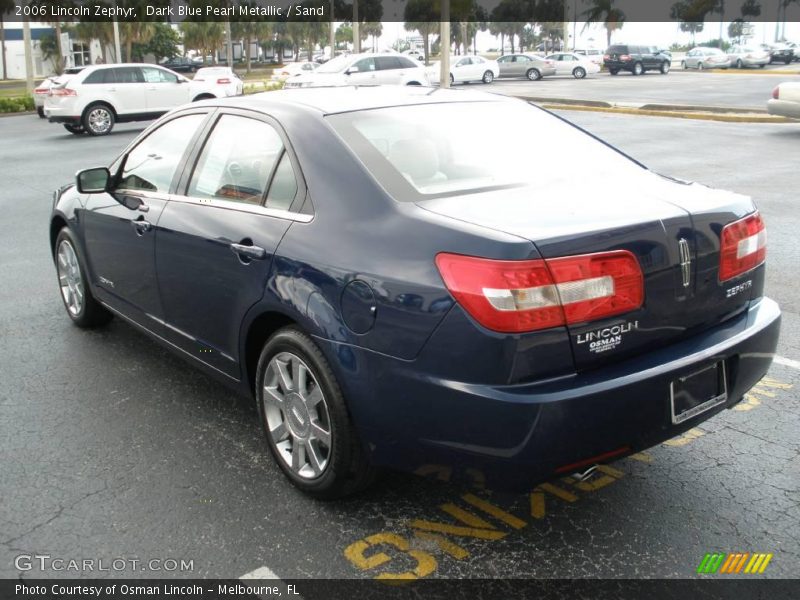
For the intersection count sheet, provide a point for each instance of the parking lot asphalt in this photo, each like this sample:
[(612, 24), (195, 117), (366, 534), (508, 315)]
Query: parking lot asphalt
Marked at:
[(114, 448), (737, 89)]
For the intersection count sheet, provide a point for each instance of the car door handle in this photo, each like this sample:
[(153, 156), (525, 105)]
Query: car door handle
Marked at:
[(250, 252), (141, 226)]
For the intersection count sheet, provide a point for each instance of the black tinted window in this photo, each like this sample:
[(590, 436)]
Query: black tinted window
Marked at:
[(151, 165), (100, 76), (386, 63), (126, 75), (406, 63), (618, 50)]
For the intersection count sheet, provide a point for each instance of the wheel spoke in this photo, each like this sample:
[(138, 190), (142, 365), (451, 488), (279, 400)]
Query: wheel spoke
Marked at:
[(314, 459), (273, 396), (279, 433), (313, 398), (297, 456), (300, 376), (317, 432), (284, 376)]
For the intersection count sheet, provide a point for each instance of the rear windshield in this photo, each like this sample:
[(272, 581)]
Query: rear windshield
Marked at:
[(425, 151), (618, 50)]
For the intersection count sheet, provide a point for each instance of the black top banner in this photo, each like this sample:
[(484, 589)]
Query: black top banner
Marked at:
[(607, 12)]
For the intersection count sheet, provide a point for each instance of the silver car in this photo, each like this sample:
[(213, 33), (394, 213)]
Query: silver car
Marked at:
[(705, 58), (525, 65), (748, 56)]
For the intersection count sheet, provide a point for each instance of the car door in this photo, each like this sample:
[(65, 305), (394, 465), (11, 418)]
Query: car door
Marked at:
[(216, 240), (119, 240), (366, 72), (462, 69), (121, 86), (164, 90), (506, 65), (388, 71)]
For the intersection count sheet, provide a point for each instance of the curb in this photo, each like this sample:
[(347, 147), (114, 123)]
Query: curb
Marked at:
[(695, 115), (648, 106), (17, 114), (750, 71)]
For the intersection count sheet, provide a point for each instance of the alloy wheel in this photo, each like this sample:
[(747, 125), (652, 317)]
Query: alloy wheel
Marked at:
[(69, 278), (99, 120), (297, 415)]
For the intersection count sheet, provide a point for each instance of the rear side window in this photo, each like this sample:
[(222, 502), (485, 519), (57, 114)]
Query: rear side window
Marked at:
[(100, 76), (151, 165), (406, 63), (283, 188), (229, 169), (386, 63), (126, 75)]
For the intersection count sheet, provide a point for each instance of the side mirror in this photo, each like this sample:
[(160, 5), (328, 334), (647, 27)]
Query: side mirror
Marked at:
[(351, 70), (93, 181)]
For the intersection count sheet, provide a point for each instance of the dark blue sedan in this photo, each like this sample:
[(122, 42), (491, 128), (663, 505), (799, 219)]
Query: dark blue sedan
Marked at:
[(397, 281)]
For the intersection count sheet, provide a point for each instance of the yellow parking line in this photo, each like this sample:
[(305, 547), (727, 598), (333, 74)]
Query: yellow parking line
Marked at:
[(484, 534), (496, 512)]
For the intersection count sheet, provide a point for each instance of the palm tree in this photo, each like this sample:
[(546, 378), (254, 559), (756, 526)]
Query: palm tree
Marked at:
[(135, 32), (603, 11), (6, 6), (103, 32)]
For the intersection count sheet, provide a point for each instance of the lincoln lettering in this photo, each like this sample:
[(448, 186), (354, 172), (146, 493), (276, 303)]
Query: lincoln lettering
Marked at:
[(607, 332)]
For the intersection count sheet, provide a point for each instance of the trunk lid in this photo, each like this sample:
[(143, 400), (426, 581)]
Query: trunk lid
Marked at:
[(648, 216)]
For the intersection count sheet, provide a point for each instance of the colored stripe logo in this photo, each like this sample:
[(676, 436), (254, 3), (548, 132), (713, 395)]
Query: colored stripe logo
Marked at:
[(735, 562)]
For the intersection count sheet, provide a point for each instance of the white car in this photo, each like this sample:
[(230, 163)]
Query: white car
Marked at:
[(43, 89), (101, 95), (293, 70), (415, 54), (363, 69), (216, 82), (464, 69), (592, 54), (785, 100), (572, 63)]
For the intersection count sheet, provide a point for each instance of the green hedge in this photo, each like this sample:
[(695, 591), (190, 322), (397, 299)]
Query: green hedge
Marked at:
[(12, 105)]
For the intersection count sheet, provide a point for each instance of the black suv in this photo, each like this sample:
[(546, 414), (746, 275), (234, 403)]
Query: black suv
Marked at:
[(636, 59), (180, 64)]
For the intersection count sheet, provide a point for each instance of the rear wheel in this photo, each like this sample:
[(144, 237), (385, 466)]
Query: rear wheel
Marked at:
[(305, 419), (40, 111), (534, 74), (452, 79), (613, 71), (700, 66), (683, 65), (579, 73), (739, 64), (488, 77), (74, 129), (81, 306), (98, 119), (638, 69)]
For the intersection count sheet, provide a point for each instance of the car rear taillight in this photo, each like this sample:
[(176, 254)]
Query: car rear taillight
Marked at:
[(625, 57), (517, 296), (743, 246), (41, 90), (606, 57), (223, 81), (776, 93), (63, 92)]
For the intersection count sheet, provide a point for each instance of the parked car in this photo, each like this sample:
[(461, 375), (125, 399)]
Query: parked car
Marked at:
[(748, 56), (181, 64), (661, 51), (101, 95), (595, 55), (570, 63), (464, 69), (42, 90), (795, 50), (779, 53), (785, 100), (293, 69), (705, 58), (415, 54), (525, 65), (635, 59), (216, 82), (364, 69), (390, 293)]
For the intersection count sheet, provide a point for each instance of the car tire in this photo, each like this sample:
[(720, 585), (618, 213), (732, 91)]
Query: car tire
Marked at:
[(700, 66), (761, 66), (787, 61), (74, 129), (81, 306), (309, 432), (613, 71), (452, 79), (488, 77), (579, 73), (664, 67), (638, 69), (533, 74), (98, 119), (739, 64), (683, 65), (40, 111)]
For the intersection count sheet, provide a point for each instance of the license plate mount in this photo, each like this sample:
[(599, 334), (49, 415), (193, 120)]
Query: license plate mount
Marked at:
[(697, 392)]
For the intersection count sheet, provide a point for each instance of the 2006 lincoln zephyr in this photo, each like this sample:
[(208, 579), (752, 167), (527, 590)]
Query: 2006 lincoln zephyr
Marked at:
[(397, 286)]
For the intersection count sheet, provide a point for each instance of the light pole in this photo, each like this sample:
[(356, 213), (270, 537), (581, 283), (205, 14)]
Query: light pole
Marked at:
[(26, 39), (444, 45)]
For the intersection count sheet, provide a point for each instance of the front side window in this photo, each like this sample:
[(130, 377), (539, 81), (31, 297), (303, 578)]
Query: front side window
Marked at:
[(237, 161), (153, 75), (365, 64), (151, 165)]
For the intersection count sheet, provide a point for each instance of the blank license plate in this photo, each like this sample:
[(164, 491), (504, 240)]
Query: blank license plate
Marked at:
[(698, 392)]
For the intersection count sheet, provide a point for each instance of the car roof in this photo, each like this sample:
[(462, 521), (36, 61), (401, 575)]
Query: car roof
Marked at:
[(331, 100)]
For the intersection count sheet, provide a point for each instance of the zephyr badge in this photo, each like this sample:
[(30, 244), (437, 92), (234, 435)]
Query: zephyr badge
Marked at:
[(686, 261)]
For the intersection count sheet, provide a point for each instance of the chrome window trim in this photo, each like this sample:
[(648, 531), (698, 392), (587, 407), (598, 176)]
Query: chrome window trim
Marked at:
[(255, 209)]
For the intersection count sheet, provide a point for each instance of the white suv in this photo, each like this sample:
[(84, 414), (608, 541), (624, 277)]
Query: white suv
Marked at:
[(101, 95), (363, 69)]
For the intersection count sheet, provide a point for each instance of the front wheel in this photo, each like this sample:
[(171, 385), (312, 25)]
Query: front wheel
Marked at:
[(664, 68), (739, 64), (305, 419), (638, 69), (452, 79), (579, 73), (683, 65), (81, 306), (488, 77), (98, 120), (700, 66), (534, 74)]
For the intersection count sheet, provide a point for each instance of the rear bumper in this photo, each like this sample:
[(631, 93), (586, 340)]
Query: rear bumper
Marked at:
[(519, 435), (784, 108)]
